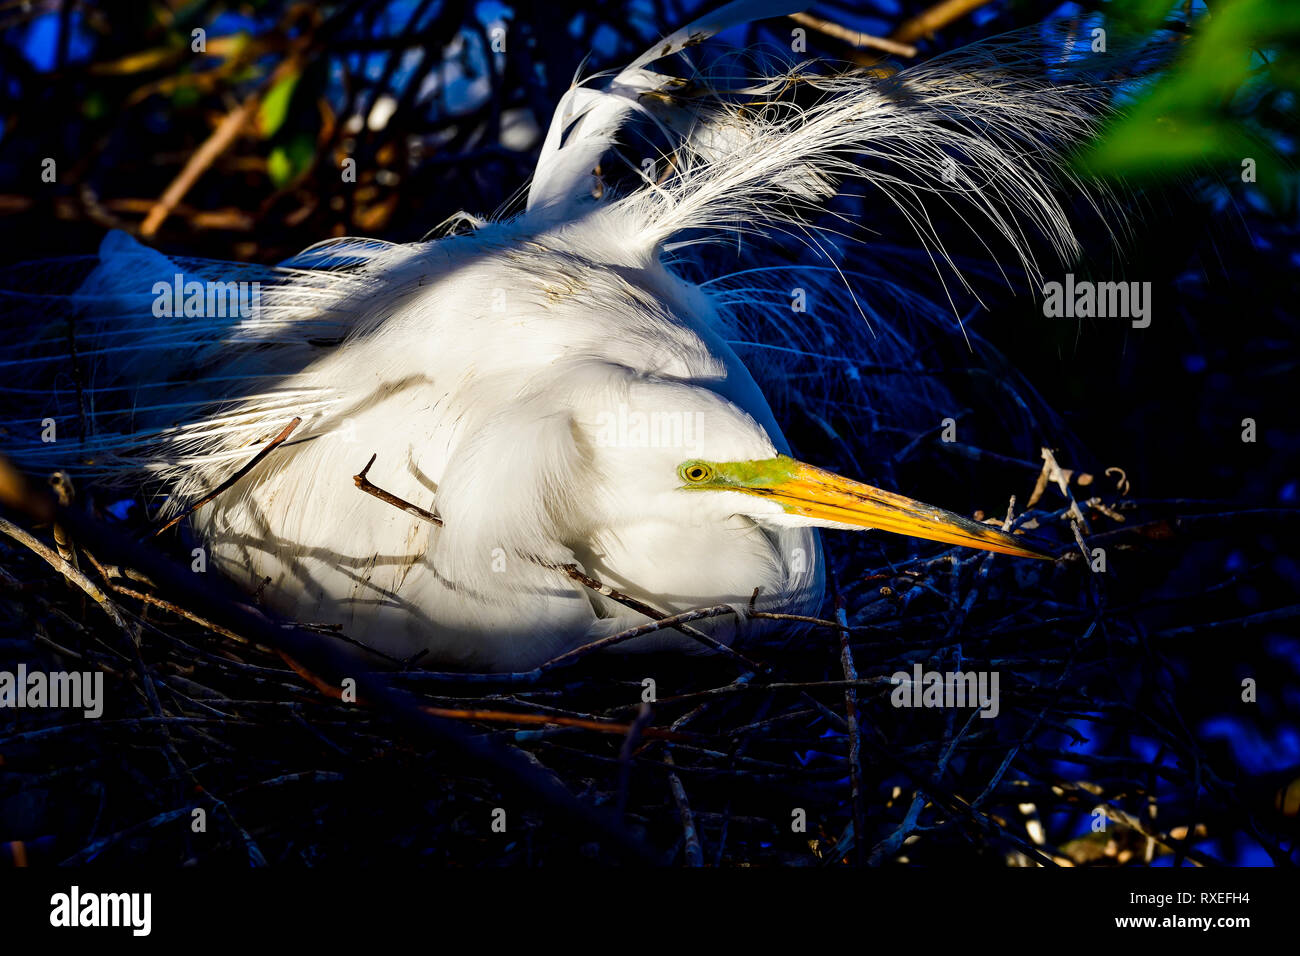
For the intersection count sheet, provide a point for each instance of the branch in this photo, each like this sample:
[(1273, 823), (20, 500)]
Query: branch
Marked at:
[(401, 504)]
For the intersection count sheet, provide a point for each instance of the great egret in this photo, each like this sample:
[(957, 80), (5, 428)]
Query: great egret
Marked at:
[(549, 384)]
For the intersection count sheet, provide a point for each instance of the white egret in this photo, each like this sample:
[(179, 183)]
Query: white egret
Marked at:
[(549, 384)]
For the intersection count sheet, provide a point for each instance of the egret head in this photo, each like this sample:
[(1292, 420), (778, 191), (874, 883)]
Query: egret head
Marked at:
[(708, 460), (794, 493)]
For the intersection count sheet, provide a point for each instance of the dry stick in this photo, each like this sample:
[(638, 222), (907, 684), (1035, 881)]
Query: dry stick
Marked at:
[(935, 18), (68, 571), (203, 157), (364, 483), (1083, 545), (673, 620), (510, 717), (693, 849), (804, 619), (576, 574), (740, 687), (164, 604), (853, 37), (253, 463), (855, 733), (1054, 473)]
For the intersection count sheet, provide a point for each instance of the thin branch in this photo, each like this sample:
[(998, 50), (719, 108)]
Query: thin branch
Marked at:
[(73, 574), (935, 18), (853, 37), (509, 717), (401, 504), (855, 733), (693, 850)]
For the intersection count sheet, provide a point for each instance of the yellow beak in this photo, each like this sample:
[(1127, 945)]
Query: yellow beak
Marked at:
[(825, 496)]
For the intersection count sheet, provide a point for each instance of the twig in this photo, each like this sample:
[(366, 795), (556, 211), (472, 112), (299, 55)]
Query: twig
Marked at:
[(935, 18), (401, 504), (162, 603), (853, 37), (509, 717), (693, 850), (713, 644), (217, 143), (71, 573), (1166, 841), (855, 733)]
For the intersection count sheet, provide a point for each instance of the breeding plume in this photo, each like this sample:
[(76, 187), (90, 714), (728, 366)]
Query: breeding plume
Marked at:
[(549, 390)]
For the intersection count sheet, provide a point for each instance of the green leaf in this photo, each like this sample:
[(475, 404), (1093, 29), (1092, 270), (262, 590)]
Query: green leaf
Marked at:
[(1200, 110), (290, 160), (275, 107)]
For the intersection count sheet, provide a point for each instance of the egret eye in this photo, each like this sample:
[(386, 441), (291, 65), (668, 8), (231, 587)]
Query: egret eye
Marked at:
[(695, 472)]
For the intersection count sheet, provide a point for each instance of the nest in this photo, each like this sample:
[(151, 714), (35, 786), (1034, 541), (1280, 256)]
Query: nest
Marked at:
[(806, 749)]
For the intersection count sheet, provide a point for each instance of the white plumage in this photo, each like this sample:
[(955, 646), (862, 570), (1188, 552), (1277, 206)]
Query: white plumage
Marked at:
[(499, 376)]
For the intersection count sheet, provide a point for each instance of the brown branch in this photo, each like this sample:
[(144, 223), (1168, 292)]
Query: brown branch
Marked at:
[(853, 37), (935, 18), (203, 157), (401, 504), (507, 717), (74, 575), (662, 621), (163, 603)]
